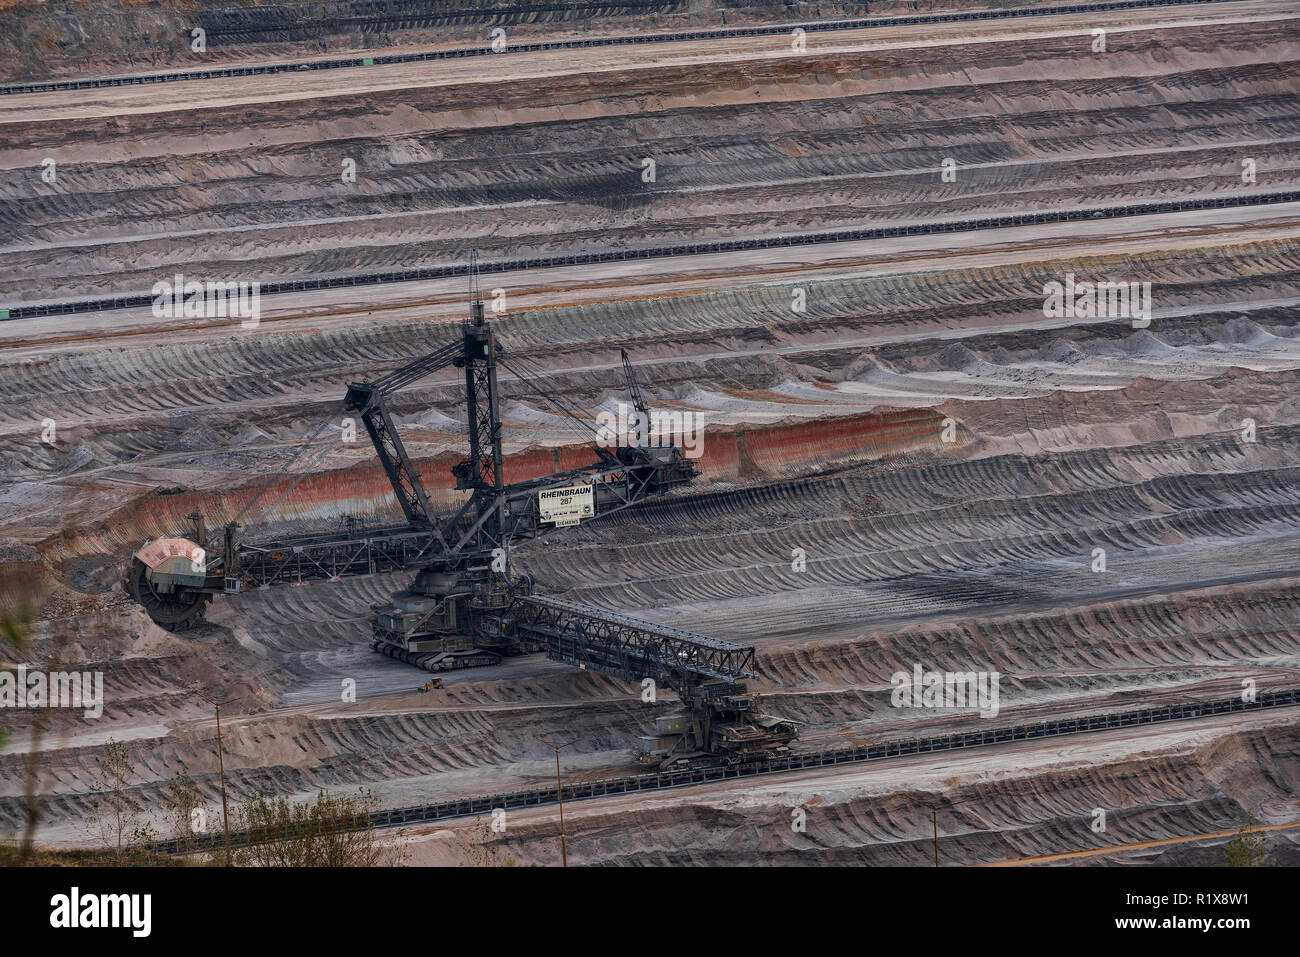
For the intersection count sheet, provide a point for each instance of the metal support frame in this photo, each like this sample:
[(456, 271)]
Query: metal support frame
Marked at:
[(483, 469), (318, 558), (629, 648), (406, 484)]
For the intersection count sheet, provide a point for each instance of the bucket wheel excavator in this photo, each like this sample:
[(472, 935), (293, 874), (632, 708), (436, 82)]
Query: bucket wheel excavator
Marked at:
[(464, 608)]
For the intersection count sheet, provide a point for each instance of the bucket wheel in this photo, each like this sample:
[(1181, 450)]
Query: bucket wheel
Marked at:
[(177, 610)]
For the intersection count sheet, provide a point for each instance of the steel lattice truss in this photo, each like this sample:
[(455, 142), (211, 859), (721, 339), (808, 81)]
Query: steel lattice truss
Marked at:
[(483, 466), (324, 557), (629, 648)]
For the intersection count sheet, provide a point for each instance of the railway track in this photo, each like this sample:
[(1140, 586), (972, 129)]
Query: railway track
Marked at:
[(663, 780), (680, 36), (854, 234)]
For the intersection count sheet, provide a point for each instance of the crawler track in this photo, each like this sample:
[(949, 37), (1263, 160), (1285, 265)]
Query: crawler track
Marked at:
[(855, 234), (248, 30), (399, 817)]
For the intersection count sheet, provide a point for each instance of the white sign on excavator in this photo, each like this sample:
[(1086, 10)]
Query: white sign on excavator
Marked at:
[(566, 506)]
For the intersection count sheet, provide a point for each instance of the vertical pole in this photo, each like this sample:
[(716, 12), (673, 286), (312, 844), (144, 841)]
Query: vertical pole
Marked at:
[(559, 790), (934, 821), (221, 763)]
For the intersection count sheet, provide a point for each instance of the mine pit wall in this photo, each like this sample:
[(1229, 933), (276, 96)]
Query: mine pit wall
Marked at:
[(1138, 648), (300, 755), (428, 152), (729, 455), (1146, 411), (1129, 638), (1014, 812), (40, 39)]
